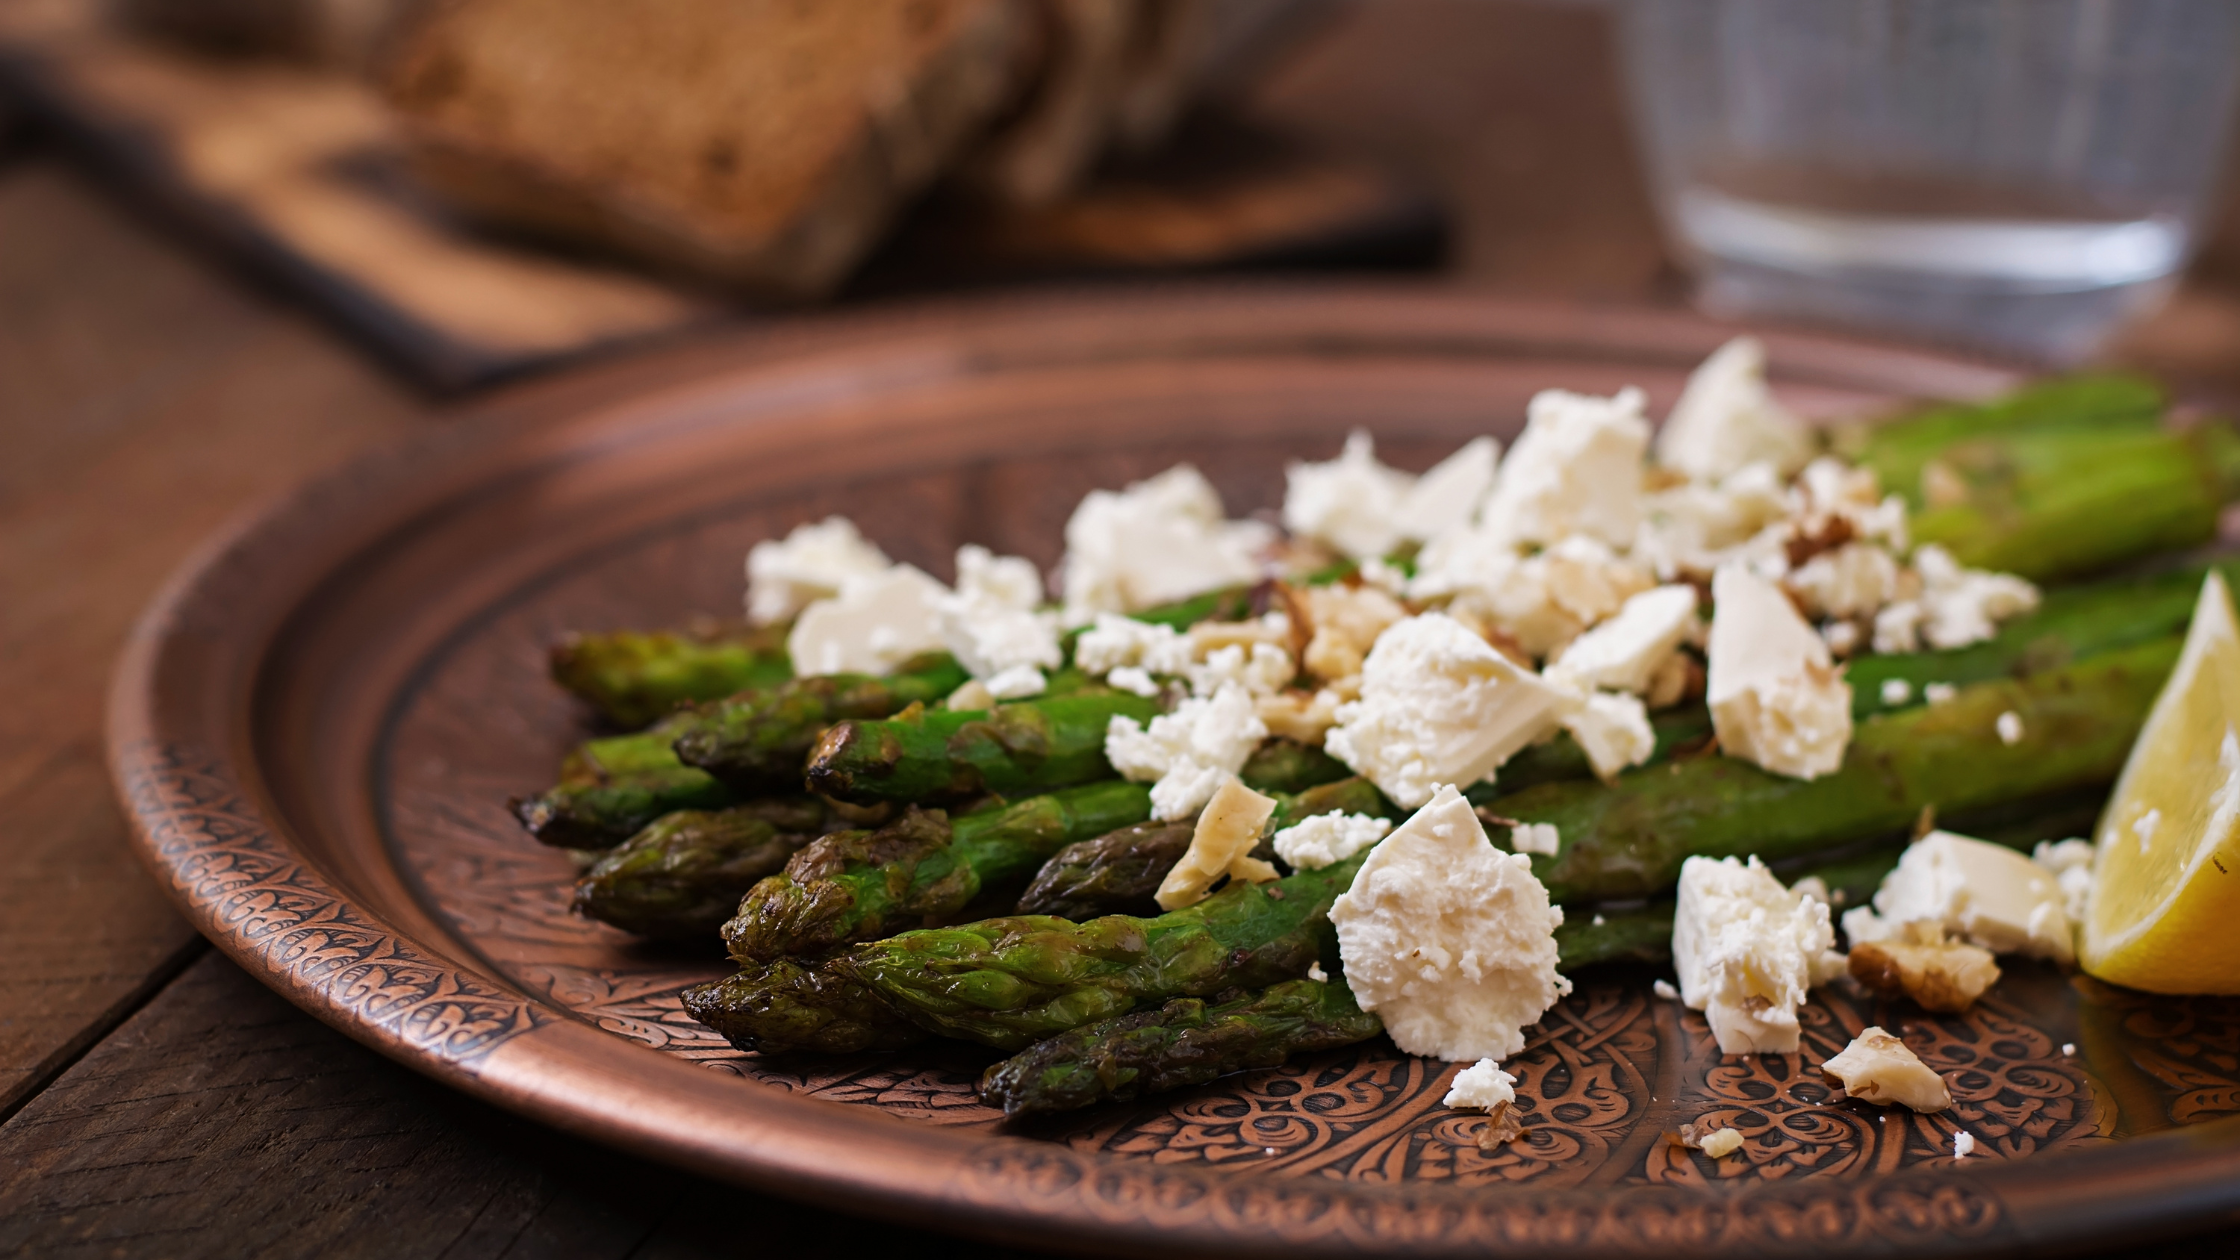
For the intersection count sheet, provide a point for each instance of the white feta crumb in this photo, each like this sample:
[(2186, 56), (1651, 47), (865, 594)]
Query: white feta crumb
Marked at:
[(1264, 670), (973, 696), (1016, 683), (1775, 697), (1599, 920), (990, 620), (2009, 727), (1726, 418), (2070, 864), (1984, 893), (875, 623), (1220, 847), (1720, 1143), (1897, 627), (1939, 693), (1690, 530), (1746, 949), (2068, 1049), (1896, 691), (1576, 469), (1664, 989), (1853, 580), (1482, 1086), (1963, 606), (1352, 503), (1159, 540), (1625, 652), (1129, 678), (1324, 839), (1438, 705), (812, 563), (1114, 642), (1612, 729), (1963, 1144), (1880, 1069), (1449, 495), (1541, 838), (1185, 755), (1842, 637), (1540, 602), (1317, 974), (1449, 940), (1830, 490)]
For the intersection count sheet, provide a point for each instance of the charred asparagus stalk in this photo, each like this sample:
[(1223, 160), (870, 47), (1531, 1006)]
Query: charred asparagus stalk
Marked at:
[(785, 1006), (682, 877), (1282, 765), (1898, 449), (1628, 839), (1119, 872), (610, 789), (756, 741), (634, 677), (1187, 1041), (1013, 749), (860, 885)]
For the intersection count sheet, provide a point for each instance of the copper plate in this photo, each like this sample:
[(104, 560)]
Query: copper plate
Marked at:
[(318, 723)]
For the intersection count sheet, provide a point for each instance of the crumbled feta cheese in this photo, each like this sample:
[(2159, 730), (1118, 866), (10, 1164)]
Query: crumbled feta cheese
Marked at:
[(1541, 601), (1880, 1069), (1853, 580), (1829, 491), (1482, 1086), (1342, 623), (1323, 839), (1775, 697), (1449, 940), (2009, 726), (1267, 670), (1939, 693), (1446, 497), (1964, 606), (1691, 530), (1541, 838), (1016, 683), (1812, 886), (1576, 470), (813, 563), (1726, 418), (1746, 949), (1438, 705), (1963, 1144), (1625, 652), (990, 621), (1720, 1143), (1612, 729), (1187, 754), (1897, 627), (2068, 1049), (1115, 642), (1664, 989), (1317, 974), (2070, 864), (1159, 540), (1986, 893), (1351, 503), (875, 623), (1129, 678), (1918, 962), (973, 696), (1896, 691), (1220, 847)]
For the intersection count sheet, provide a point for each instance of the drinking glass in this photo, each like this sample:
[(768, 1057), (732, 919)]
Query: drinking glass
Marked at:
[(2019, 175)]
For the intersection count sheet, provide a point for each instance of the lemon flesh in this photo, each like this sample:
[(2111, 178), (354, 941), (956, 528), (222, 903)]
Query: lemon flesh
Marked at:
[(2164, 910)]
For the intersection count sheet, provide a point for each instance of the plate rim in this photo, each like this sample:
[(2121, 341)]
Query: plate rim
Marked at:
[(185, 773)]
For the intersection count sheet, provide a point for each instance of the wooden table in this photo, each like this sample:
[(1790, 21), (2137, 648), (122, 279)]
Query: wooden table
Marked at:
[(154, 1100)]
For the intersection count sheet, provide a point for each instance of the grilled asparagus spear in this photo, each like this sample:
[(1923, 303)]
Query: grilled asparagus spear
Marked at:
[(860, 885), (756, 741), (1013, 749), (682, 877), (610, 789), (634, 677), (1186, 1041), (785, 1006), (1282, 765)]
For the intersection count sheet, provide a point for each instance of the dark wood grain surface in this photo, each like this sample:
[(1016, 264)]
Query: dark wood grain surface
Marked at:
[(158, 1102)]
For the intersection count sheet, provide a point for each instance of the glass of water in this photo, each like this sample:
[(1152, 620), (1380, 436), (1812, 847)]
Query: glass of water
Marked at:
[(2019, 175)]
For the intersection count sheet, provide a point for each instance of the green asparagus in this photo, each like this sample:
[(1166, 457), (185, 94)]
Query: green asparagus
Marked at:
[(634, 677), (1013, 749), (1898, 449), (1628, 839), (1282, 765), (1119, 872), (756, 741), (1187, 1041), (785, 1006), (682, 877), (861, 885), (610, 789)]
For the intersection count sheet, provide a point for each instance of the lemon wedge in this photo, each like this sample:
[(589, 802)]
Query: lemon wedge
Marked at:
[(2164, 910)]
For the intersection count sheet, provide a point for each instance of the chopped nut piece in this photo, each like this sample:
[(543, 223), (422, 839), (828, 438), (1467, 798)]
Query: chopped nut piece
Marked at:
[(1720, 1143), (1880, 1069), (1942, 975), (1222, 845)]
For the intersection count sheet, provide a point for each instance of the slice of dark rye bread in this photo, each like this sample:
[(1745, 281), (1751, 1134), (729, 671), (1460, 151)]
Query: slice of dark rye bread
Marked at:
[(766, 143)]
